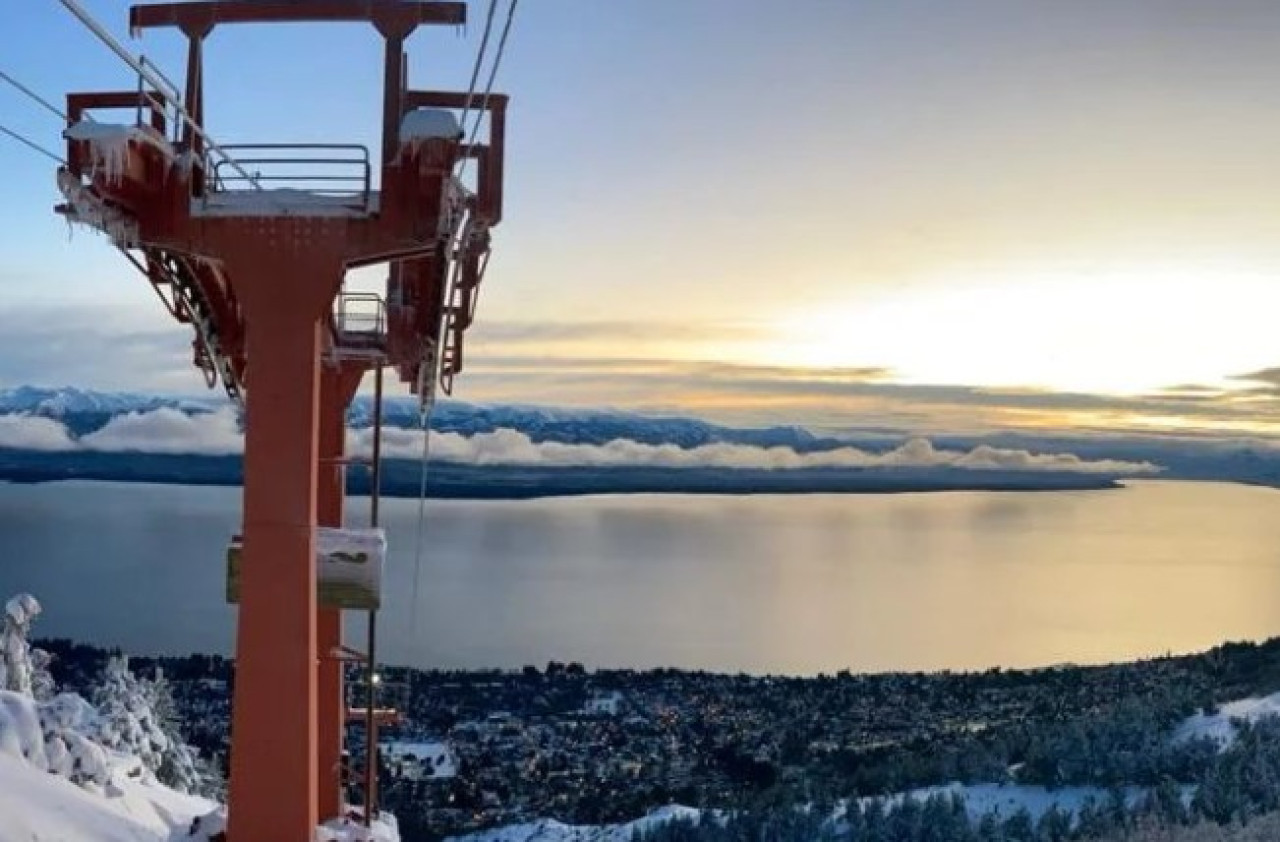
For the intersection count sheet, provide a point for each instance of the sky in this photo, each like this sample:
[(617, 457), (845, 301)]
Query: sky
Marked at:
[(933, 215)]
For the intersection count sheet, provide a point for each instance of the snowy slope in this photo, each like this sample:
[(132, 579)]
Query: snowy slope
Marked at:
[(1003, 800), (549, 830), (38, 805), (1007, 799), (432, 758), (1219, 726)]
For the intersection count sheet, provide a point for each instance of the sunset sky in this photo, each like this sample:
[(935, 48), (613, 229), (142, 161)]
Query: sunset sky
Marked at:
[(931, 215)]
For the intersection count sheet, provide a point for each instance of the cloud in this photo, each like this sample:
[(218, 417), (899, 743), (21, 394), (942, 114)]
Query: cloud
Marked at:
[(522, 364), (164, 431), (1269, 377), (170, 431), (111, 347), (510, 447), (1185, 389), (137, 347), (29, 432), (167, 430), (985, 457), (866, 396), (497, 332)]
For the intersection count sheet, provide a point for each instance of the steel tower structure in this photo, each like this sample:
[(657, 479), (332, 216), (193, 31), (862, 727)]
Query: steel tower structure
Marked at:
[(249, 246)]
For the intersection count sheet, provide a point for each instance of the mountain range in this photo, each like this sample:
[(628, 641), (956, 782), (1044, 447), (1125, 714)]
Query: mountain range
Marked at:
[(83, 412)]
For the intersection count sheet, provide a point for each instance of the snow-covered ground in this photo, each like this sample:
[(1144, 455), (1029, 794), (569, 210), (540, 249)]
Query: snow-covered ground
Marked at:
[(549, 830), (1220, 727), (383, 829), (38, 805), (76, 771), (1004, 800), (1007, 799), (422, 759)]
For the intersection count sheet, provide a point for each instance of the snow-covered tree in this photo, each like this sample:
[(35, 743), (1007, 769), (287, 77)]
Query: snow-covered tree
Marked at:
[(67, 720), (43, 687), (66, 735), (139, 717), (48, 731), (15, 652), (126, 721), (179, 765), (213, 779)]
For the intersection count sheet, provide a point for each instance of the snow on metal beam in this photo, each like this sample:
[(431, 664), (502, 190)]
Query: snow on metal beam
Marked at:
[(429, 123), (202, 16)]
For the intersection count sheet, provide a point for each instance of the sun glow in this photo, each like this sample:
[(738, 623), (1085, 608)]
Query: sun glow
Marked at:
[(1118, 331)]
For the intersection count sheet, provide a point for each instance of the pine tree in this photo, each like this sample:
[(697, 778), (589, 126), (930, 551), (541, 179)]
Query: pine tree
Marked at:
[(178, 762), (127, 723), (1019, 827), (1054, 825), (989, 828), (213, 779)]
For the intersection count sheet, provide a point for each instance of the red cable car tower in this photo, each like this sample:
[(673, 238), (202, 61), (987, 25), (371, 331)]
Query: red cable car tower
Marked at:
[(258, 271)]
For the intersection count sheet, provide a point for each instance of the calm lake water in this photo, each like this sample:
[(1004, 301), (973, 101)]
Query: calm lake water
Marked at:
[(786, 584)]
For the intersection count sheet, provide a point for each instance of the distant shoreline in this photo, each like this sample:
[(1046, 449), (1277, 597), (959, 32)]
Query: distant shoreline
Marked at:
[(1225, 649), (401, 479)]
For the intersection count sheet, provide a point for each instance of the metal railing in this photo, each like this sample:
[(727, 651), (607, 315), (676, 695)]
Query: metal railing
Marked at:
[(340, 171), (167, 96), (148, 73), (360, 315)]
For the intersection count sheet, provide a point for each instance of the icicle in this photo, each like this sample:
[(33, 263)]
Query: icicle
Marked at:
[(109, 146), (90, 210)]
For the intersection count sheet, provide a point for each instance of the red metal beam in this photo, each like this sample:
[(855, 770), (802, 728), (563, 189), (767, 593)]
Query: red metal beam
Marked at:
[(489, 157), (152, 104), (200, 17), (452, 99), (338, 386), (286, 273)]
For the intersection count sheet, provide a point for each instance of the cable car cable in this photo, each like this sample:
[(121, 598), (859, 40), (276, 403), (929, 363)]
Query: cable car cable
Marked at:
[(33, 95), (31, 144)]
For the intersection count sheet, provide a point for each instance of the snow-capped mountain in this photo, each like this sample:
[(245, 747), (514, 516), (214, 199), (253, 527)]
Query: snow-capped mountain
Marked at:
[(84, 411), (582, 426)]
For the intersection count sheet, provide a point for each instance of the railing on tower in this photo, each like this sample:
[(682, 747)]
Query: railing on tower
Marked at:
[(339, 171), (359, 325)]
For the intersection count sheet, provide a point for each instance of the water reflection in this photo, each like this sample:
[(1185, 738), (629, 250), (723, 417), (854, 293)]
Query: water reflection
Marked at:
[(762, 584)]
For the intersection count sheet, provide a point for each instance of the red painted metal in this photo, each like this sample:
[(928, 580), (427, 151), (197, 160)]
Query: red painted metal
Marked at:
[(203, 16), (338, 385), (259, 282)]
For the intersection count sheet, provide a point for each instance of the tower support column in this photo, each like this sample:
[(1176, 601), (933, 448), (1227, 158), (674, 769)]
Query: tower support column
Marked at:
[(284, 283)]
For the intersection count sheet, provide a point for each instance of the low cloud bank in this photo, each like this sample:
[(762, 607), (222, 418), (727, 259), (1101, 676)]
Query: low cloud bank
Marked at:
[(510, 447), (164, 430), (26, 432), (169, 431)]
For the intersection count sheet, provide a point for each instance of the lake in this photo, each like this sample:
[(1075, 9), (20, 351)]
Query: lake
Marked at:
[(780, 584)]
